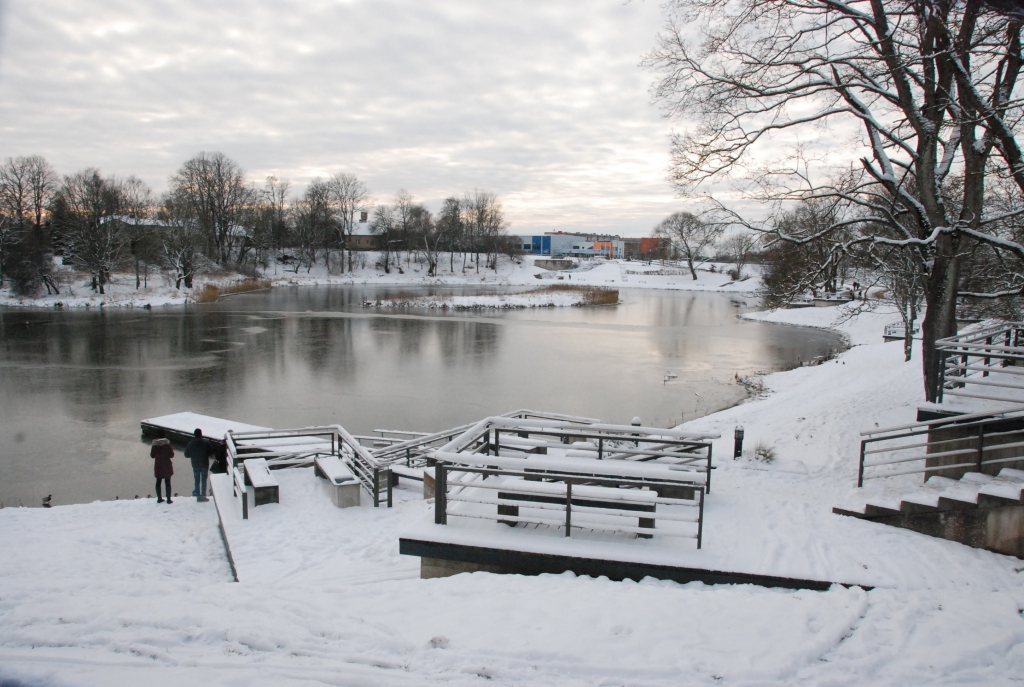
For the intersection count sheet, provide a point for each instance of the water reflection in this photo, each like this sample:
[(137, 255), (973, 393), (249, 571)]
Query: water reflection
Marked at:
[(74, 384)]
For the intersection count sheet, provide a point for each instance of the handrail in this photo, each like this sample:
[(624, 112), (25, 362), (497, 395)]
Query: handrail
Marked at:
[(975, 428), (523, 493), (335, 440), (676, 445)]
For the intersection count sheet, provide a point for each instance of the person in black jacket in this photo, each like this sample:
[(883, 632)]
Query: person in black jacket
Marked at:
[(199, 451)]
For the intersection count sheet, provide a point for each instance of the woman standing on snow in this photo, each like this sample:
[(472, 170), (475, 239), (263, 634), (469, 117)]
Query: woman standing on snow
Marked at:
[(161, 453)]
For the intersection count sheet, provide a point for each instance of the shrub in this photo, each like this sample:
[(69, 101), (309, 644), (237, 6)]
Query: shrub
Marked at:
[(764, 452)]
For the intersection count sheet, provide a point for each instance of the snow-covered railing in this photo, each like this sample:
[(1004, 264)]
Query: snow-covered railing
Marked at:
[(415, 451), (300, 447), (987, 364), (516, 437), (641, 500), (955, 445)]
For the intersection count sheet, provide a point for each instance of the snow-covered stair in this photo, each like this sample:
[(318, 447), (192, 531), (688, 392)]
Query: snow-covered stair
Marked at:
[(978, 510)]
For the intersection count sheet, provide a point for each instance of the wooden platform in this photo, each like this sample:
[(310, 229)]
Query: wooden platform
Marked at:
[(179, 427)]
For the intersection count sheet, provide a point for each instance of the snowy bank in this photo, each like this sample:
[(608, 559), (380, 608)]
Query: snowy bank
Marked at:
[(76, 288)]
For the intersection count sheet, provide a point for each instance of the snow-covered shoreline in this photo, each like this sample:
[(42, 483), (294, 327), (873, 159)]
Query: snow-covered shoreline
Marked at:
[(95, 594), (121, 292)]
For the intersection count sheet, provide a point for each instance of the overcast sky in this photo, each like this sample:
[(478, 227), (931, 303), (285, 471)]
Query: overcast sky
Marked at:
[(540, 102)]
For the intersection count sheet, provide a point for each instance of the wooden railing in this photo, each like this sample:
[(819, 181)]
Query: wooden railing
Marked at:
[(609, 496), (415, 452), (299, 447), (986, 364), (501, 436)]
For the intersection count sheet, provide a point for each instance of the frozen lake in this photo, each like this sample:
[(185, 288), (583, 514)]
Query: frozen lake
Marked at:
[(75, 384)]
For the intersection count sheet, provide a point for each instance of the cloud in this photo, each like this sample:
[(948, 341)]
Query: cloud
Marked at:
[(542, 103)]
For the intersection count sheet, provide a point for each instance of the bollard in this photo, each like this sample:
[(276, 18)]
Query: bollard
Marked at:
[(738, 443)]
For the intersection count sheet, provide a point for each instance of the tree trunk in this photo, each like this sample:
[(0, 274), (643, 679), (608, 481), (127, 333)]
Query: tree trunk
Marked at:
[(689, 261), (940, 313), (908, 333)]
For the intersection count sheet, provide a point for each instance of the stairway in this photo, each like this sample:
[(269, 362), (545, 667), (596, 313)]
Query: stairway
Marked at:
[(978, 510)]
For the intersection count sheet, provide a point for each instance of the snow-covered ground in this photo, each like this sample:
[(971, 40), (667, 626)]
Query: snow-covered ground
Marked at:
[(76, 288), (134, 592)]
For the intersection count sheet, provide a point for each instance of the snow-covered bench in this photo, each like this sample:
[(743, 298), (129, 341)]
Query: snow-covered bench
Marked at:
[(265, 488), (342, 483)]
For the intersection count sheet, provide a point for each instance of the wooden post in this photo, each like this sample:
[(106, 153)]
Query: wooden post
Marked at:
[(988, 361), (600, 448), (700, 520), (497, 442), (390, 485), (440, 494), (568, 507), (860, 470), (376, 487), (981, 445)]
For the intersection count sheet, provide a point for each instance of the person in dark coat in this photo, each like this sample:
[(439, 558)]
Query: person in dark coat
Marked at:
[(161, 453), (199, 451)]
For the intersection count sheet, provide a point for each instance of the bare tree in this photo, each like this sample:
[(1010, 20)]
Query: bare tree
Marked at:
[(689, 234), (181, 239), (214, 186), (739, 246), (85, 208), (930, 83), (385, 227), (27, 185), (314, 223), (450, 227), (137, 210), (350, 197), (484, 225)]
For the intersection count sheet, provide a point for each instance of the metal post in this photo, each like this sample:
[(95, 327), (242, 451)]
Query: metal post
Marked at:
[(708, 481), (497, 442), (600, 448), (942, 376), (568, 507), (489, 444), (860, 471), (390, 485), (981, 444), (737, 442), (440, 494), (376, 487), (700, 520), (408, 457)]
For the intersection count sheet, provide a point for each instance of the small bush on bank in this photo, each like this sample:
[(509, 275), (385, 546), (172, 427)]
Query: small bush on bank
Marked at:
[(211, 292)]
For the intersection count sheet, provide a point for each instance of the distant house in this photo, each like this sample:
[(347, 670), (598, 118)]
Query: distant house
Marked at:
[(362, 237)]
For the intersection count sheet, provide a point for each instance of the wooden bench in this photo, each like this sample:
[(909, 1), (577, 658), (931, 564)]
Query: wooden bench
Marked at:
[(343, 485), (264, 486), (610, 498)]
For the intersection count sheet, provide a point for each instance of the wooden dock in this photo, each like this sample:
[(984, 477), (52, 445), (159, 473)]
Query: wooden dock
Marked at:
[(179, 427)]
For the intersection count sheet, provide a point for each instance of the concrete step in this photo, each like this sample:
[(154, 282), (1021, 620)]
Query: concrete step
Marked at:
[(959, 502), (872, 510)]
